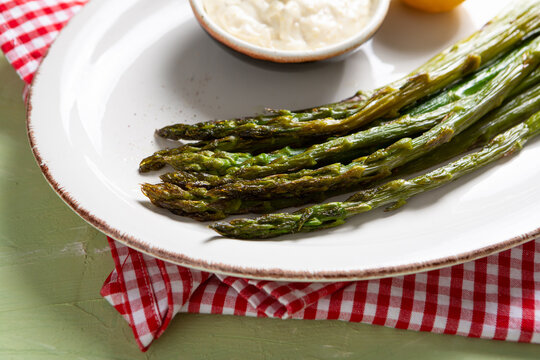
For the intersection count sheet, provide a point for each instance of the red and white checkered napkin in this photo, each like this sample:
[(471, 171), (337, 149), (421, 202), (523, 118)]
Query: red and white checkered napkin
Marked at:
[(497, 297)]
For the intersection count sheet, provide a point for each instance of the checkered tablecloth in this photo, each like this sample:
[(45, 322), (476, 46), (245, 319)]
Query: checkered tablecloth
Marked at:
[(497, 297)]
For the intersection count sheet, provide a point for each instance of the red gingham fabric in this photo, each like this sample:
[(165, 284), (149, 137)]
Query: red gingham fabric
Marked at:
[(497, 297)]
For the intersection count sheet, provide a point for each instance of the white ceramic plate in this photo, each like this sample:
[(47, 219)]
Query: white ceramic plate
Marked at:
[(123, 68)]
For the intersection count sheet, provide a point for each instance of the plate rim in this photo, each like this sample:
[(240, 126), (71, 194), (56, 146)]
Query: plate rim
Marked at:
[(235, 270)]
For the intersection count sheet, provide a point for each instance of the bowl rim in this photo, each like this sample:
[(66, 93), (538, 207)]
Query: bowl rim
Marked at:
[(291, 56)]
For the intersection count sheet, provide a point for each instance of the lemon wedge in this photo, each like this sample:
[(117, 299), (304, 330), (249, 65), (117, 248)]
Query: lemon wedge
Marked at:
[(433, 6)]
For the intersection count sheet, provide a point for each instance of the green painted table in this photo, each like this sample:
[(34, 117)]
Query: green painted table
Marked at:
[(52, 265)]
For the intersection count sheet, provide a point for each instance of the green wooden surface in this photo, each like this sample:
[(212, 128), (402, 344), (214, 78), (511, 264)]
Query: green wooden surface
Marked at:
[(52, 265)]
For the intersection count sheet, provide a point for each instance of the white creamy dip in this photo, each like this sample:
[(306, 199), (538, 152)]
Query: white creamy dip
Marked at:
[(290, 24)]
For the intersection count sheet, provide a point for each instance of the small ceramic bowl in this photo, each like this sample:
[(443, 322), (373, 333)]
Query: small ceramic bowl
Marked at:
[(378, 13)]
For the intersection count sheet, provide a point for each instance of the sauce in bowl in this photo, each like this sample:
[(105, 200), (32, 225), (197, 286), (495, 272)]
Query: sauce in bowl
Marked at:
[(290, 24)]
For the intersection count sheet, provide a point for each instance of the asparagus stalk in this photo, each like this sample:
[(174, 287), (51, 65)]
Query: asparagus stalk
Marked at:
[(500, 119), (192, 158), (237, 144), (394, 193), (222, 163), (222, 128), (232, 143), (229, 144), (497, 121), (380, 164), (184, 203), (214, 202), (255, 146), (498, 36), (202, 205), (346, 148), (341, 149)]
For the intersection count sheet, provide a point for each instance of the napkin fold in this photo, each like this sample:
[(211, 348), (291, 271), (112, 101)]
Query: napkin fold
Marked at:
[(497, 297)]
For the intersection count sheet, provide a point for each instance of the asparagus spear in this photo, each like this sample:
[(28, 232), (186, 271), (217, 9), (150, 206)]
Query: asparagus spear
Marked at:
[(498, 36), (236, 144), (255, 146), (230, 143), (341, 149), (394, 193), (203, 206), (222, 128), (500, 119), (230, 167), (182, 158), (379, 164), (185, 203), (497, 121), (198, 159), (346, 148)]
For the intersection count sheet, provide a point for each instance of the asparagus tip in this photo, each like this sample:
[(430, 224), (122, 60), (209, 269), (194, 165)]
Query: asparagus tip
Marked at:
[(150, 164)]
